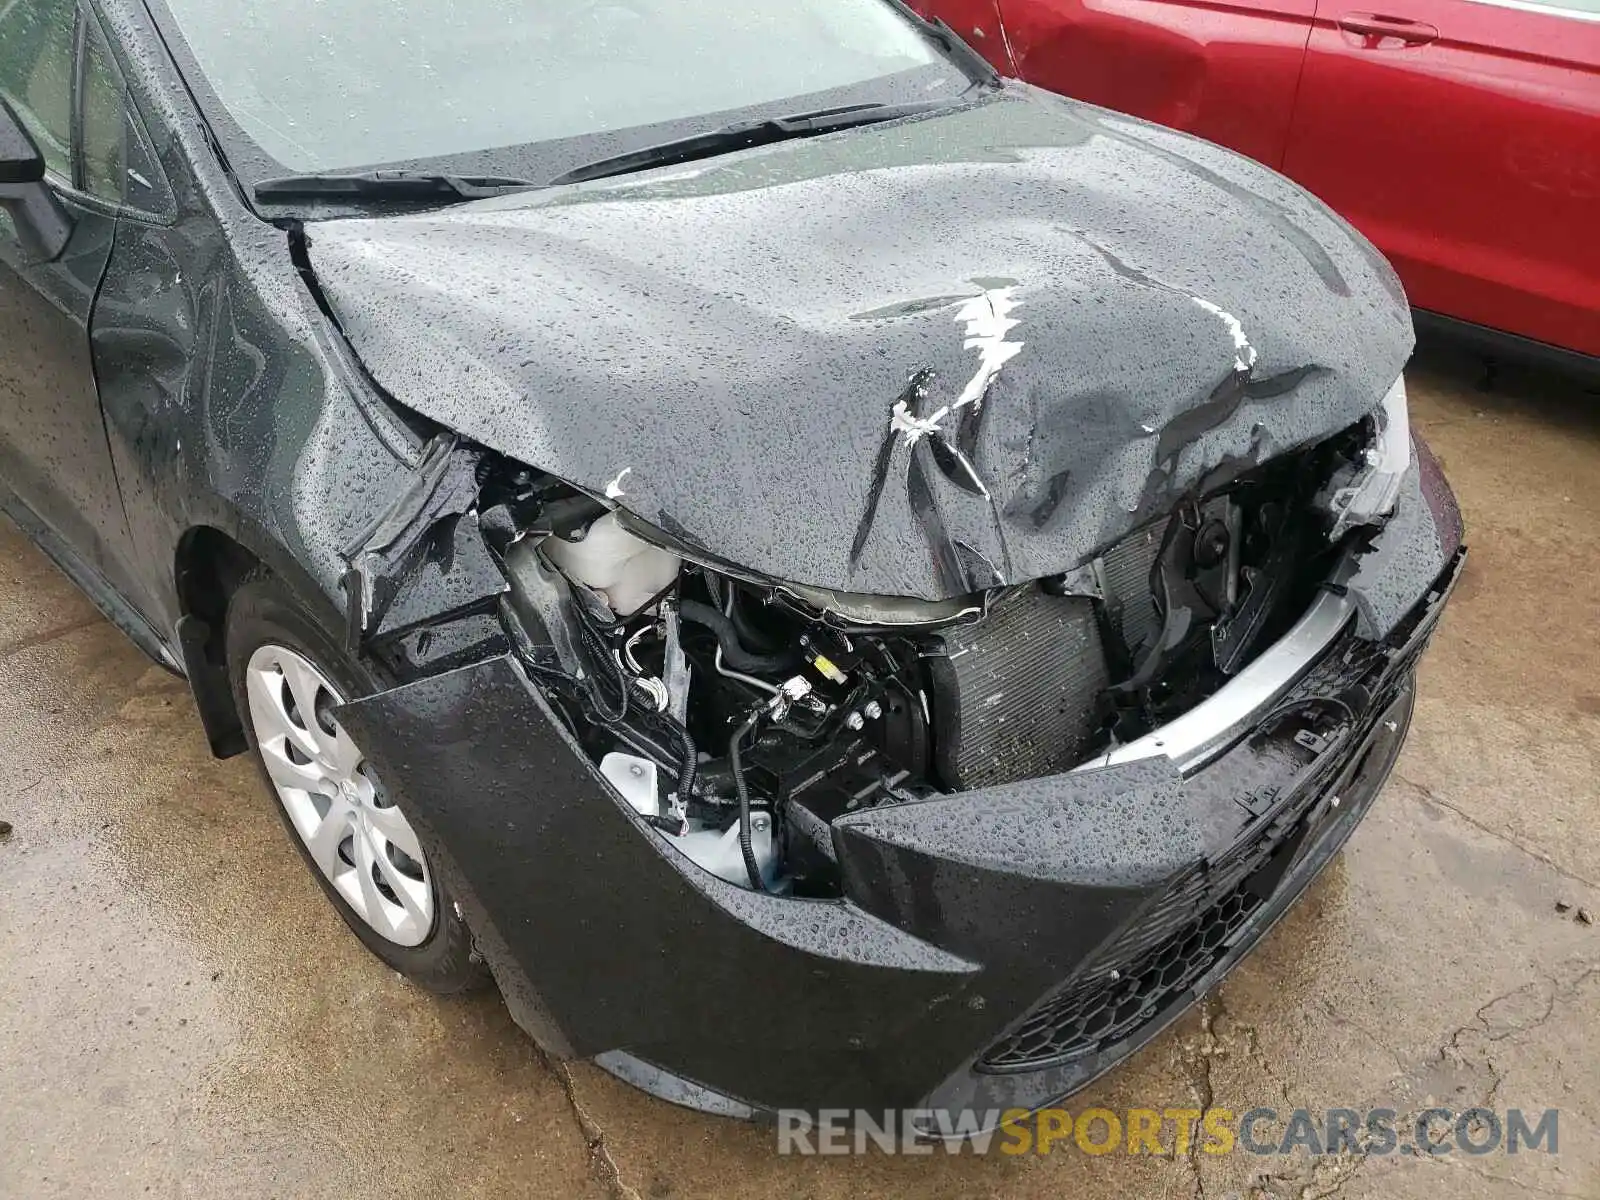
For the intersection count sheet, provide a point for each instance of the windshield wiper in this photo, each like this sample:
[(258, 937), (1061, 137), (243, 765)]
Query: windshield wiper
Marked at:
[(423, 187), (742, 135), (389, 185)]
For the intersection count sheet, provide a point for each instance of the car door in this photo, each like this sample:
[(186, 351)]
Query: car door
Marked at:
[(1226, 71), (1463, 138), (54, 456)]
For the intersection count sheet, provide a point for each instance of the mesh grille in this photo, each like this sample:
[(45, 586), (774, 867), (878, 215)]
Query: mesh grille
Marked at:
[(1170, 945), (1092, 1014)]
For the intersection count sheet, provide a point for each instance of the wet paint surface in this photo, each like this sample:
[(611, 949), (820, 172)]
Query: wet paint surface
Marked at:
[(178, 1006), (958, 911), (992, 340)]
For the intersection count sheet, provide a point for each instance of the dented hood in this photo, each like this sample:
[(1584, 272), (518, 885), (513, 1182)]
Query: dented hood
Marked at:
[(915, 359)]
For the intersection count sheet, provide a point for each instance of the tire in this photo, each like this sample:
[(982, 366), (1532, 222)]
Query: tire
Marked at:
[(415, 929)]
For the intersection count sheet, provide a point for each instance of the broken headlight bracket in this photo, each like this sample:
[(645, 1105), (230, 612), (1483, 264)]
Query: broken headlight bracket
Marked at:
[(1367, 491)]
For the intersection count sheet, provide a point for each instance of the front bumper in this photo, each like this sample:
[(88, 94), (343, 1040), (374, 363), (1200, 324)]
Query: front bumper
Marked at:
[(995, 949)]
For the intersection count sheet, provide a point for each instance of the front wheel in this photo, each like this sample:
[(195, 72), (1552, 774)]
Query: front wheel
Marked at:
[(288, 676)]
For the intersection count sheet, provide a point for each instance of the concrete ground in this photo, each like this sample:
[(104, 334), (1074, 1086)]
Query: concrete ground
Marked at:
[(181, 1013)]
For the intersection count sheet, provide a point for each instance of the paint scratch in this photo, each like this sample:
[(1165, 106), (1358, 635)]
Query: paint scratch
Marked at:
[(988, 323), (614, 488), (903, 420), (988, 320), (1244, 354)]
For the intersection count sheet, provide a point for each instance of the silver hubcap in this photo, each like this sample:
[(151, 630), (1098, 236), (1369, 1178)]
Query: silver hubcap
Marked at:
[(359, 840)]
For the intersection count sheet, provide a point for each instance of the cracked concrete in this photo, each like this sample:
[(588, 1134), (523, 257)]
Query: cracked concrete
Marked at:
[(182, 1015), (1197, 1055), (601, 1164)]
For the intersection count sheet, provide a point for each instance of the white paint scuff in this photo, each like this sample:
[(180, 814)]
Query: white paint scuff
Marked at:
[(902, 420), (988, 321), (987, 317), (1244, 354), (614, 488)]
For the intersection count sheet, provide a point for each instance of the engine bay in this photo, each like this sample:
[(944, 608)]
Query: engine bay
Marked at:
[(740, 717)]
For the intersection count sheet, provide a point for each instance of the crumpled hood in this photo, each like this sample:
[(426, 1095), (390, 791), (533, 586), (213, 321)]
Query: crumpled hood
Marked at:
[(916, 359)]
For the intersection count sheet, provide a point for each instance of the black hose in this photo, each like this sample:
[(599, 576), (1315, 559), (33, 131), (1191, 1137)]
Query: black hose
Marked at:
[(733, 651), (746, 847), (688, 755), (603, 664), (758, 641)]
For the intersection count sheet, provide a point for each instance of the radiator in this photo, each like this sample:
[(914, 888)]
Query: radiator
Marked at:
[(1014, 696), (1124, 576)]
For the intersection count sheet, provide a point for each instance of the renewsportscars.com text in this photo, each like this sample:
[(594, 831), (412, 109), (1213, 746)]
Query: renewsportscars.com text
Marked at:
[(1095, 1131)]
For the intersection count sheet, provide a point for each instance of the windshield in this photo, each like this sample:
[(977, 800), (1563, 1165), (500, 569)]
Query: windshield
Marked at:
[(320, 85)]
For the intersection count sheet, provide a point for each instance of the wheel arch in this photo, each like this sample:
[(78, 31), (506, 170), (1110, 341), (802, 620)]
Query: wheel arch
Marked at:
[(210, 562)]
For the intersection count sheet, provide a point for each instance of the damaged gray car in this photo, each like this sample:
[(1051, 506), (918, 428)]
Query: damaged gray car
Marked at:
[(834, 579)]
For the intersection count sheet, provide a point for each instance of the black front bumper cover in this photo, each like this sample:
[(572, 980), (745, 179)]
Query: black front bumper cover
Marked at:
[(938, 981)]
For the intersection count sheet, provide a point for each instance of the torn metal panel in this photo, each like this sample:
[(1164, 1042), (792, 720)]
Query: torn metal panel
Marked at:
[(423, 558), (453, 574), (1000, 338)]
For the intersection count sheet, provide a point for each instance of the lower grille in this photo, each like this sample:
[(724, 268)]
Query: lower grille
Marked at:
[(1015, 695), (1093, 1014), (1174, 941), (1171, 944)]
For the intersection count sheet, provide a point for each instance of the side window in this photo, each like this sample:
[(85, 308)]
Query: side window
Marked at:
[(36, 73), (105, 120), (118, 165)]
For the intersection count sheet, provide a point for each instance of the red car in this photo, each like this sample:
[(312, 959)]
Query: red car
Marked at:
[(1461, 136)]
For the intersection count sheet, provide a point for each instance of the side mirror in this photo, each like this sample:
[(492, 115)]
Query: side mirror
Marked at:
[(20, 160), (43, 226)]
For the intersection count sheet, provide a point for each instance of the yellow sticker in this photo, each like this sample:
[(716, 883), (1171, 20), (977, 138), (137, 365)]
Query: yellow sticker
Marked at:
[(828, 669)]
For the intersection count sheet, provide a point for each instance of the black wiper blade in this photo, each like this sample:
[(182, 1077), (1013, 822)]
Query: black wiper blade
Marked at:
[(389, 185), (742, 135)]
